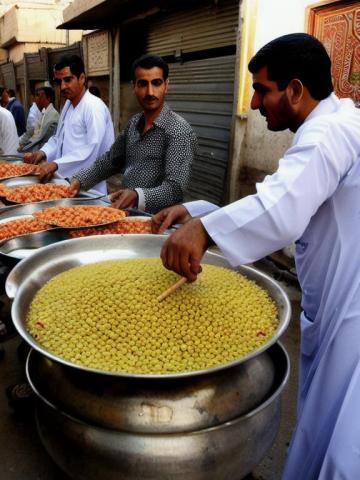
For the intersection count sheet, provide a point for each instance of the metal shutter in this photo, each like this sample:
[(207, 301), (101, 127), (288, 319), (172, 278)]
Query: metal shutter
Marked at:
[(192, 30), (202, 92)]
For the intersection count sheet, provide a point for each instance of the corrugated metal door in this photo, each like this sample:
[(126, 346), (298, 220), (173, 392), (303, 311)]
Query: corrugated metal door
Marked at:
[(202, 92), (211, 25), (36, 67)]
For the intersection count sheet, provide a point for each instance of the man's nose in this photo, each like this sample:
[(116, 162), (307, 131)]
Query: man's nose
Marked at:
[(150, 89)]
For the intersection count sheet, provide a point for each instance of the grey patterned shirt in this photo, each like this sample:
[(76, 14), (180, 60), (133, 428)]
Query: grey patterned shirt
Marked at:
[(157, 164)]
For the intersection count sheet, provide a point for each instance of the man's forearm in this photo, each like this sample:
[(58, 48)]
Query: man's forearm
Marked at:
[(100, 170)]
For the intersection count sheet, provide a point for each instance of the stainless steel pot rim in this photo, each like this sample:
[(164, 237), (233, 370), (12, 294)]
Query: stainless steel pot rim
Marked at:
[(29, 339), (279, 388)]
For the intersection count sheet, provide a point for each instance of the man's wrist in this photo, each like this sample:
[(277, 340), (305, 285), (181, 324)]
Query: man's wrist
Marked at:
[(210, 241)]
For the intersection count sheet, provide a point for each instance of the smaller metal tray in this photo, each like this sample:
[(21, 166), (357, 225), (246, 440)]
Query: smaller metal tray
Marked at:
[(23, 246), (11, 159), (24, 181)]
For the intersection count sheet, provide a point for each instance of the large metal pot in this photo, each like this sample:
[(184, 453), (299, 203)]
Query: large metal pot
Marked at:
[(147, 403), (228, 451), (32, 273)]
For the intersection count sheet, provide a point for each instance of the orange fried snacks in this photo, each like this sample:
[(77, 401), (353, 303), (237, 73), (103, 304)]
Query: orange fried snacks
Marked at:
[(3, 190), (37, 193), (79, 215), (14, 228), (7, 170), (124, 226)]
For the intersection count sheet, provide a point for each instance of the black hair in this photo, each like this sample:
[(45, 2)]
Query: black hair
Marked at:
[(2, 90), (49, 93), (150, 61), (11, 92), (95, 91), (297, 55), (74, 62)]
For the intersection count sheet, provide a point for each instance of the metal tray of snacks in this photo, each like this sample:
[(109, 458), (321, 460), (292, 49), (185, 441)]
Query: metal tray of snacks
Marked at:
[(29, 180), (15, 170), (13, 211), (15, 249), (28, 276), (25, 181)]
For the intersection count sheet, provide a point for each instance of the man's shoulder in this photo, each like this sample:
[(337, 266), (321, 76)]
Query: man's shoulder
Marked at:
[(17, 104), (175, 124), (92, 101), (52, 113), (5, 113)]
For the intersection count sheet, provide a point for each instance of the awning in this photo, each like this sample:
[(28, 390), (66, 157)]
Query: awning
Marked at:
[(101, 14)]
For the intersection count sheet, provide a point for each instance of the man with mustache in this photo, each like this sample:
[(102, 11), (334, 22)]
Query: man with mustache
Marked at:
[(154, 152), (313, 199), (85, 128)]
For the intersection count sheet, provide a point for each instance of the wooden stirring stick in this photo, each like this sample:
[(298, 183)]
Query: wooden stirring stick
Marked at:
[(172, 289)]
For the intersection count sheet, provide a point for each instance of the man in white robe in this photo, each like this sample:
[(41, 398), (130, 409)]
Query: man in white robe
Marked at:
[(9, 140), (84, 131), (47, 123), (313, 198)]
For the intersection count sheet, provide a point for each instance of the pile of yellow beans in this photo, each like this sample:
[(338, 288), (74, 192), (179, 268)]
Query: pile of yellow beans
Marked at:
[(107, 316)]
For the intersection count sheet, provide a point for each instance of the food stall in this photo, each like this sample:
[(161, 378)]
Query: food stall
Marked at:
[(187, 420)]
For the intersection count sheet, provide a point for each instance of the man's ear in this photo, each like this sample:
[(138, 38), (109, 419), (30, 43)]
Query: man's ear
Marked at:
[(295, 90)]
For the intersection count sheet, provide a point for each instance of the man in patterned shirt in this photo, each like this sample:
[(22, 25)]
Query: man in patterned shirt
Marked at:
[(154, 152)]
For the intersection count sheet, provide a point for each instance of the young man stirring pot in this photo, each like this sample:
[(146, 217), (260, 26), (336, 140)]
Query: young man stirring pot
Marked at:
[(311, 199)]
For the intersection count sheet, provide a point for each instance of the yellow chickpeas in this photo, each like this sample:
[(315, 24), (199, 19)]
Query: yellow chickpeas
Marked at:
[(106, 316)]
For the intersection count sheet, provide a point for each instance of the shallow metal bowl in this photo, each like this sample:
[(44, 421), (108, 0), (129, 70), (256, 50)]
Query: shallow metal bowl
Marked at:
[(228, 451), (11, 158), (32, 273)]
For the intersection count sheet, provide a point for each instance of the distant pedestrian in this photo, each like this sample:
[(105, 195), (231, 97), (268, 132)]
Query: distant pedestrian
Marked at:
[(9, 101), (45, 127), (33, 116)]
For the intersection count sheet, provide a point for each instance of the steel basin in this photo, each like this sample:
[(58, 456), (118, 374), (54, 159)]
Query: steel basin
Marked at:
[(228, 451), (135, 402)]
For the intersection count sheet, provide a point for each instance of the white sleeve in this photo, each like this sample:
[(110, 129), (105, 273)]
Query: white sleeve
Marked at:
[(198, 208), (8, 135), (280, 211), (50, 147)]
